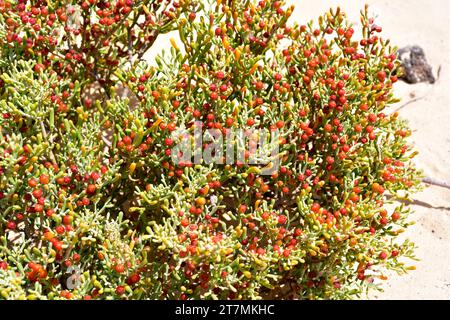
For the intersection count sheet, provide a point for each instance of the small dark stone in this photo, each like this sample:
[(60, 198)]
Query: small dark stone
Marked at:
[(415, 66)]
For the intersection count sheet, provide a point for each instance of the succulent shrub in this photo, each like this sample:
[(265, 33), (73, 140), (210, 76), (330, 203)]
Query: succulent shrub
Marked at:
[(93, 205)]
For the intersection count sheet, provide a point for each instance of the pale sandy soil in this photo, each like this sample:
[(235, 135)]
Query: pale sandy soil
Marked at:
[(425, 23)]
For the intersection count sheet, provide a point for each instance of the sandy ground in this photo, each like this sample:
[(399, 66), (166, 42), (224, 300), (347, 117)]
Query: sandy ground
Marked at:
[(427, 24)]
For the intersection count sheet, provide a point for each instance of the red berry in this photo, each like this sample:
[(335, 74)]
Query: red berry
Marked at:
[(39, 67), (134, 278), (49, 213), (37, 193), (282, 219), (185, 222), (32, 183), (395, 216), (298, 232), (91, 189), (120, 290), (67, 220), (214, 95), (127, 140), (220, 75), (11, 225), (242, 208), (381, 76), (196, 113), (95, 176), (315, 207), (120, 268), (259, 85), (57, 245), (60, 229), (168, 142)]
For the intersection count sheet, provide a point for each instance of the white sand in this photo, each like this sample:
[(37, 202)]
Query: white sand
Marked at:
[(425, 23)]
